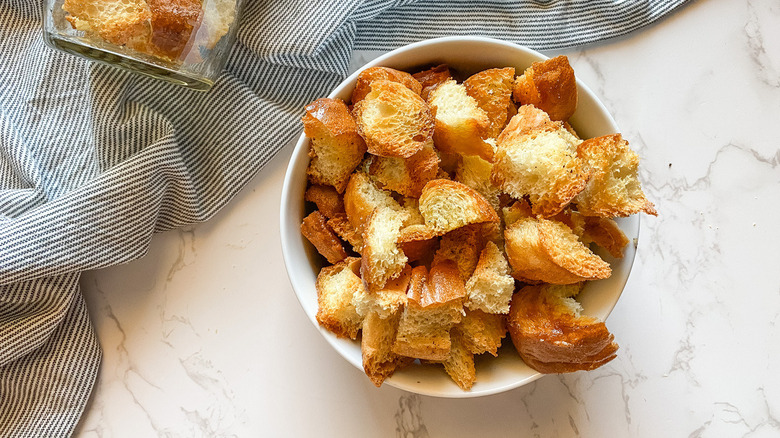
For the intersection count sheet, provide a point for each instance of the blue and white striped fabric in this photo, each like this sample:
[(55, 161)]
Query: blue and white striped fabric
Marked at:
[(94, 161)]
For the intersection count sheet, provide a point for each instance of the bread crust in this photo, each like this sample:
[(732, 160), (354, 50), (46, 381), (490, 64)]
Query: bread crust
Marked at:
[(406, 176), (549, 85), (492, 89), (315, 229), (541, 250), (552, 339), (336, 285), (372, 74), (605, 233), (326, 198), (432, 78)]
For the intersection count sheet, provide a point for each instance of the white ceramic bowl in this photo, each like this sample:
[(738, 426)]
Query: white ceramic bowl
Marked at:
[(467, 55)]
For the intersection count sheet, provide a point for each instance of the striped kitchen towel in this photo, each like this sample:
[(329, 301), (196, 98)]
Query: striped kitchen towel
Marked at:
[(94, 161)]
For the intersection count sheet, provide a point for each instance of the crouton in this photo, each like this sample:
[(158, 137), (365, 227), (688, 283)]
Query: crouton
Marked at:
[(371, 74), (461, 125), (406, 176), (490, 287), (315, 229), (393, 120), (527, 118), (432, 78), (336, 285), (341, 226), (475, 172), (605, 233), (549, 85), (336, 148), (362, 197), (379, 360), (543, 164), (613, 188), (482, 332), (326, 198), (552, 336), (462, 246), (517, 210), (435, 304), (574, 220), (492, 89), (447, 205), (541, 250), (387, 300), (382, 257), (459, 365)]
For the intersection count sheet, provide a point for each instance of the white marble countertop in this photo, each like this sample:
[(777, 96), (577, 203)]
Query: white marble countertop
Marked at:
[(204, 336)]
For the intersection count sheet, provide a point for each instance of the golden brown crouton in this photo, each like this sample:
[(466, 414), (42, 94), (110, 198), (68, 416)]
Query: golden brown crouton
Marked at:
[(432, 78), (382, 257), (336, 286), (316, 230), (490, 287), (552, 336), (362, 197), (336, 148), (386, 300), (379, 361), (543, 164), (462, 246), (541, 250), (492, 89), (447, 205), (527, 118), (394, 120), (371, 74), (461, 125), (460, 363), (482, 332), (613, 188), (327, 199), (406, 176), (515, 211), (550, 86), (435, 303), (341, 226), (605, 233)]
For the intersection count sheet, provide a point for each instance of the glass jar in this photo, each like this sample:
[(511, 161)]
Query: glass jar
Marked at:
[(182, 41)]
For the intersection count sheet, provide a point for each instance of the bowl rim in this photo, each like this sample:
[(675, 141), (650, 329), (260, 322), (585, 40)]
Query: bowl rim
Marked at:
[(301, 147)]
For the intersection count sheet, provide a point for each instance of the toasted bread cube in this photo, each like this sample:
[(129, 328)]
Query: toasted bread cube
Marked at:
[(543, 164), (435, 304), (386, 300), (447, 205), (362, 197), (432, 78), (482, 332), (490, 287), (118, 22), (315, 229), (341, 226), (336, 286), (527, 118), (474, 172), (336, 147), (394, 120), (461, 125), (549, 85), (460, 363), (462, 246), (552, 336), (328, 201), (517, 210), (372, 74), (613, 188), (382, 257), (379, 360), (541, 250), (492, 89), (605, 233), (406, 176)]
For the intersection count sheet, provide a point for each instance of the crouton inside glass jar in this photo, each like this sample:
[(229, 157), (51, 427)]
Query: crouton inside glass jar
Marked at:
[(182, 41)]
